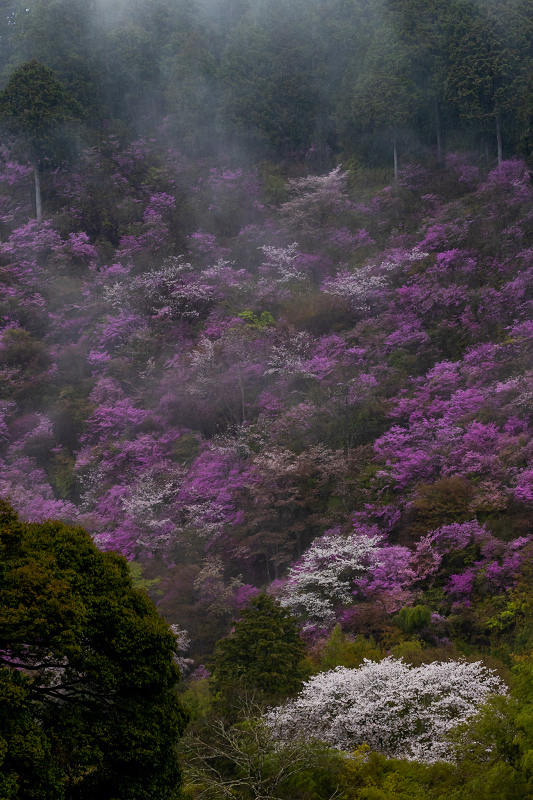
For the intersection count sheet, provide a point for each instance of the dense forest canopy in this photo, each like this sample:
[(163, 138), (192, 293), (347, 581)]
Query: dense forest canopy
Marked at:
[(276, 78), (266, 314)]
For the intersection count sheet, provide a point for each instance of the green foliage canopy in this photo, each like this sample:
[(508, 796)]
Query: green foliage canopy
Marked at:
[(34, 106), (264, 654), (87, 700), (412, 619), (34, 103)]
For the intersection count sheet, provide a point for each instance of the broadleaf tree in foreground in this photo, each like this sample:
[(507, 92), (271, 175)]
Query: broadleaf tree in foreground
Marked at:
[(87, 672)]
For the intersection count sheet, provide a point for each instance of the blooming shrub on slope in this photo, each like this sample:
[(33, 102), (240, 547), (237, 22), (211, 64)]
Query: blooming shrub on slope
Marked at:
[(209, 380)]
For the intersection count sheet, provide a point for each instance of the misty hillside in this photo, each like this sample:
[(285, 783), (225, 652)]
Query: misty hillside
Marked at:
[(266, 326)]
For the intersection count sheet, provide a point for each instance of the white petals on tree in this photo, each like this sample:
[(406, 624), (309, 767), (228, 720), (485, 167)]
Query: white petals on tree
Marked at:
[(324, 576), (401, 711), (182, 645)]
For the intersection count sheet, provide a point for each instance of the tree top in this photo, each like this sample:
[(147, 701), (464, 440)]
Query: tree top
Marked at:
[(34, 102)]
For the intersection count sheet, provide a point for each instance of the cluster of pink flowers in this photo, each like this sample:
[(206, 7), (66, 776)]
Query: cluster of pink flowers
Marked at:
[(153, 376)]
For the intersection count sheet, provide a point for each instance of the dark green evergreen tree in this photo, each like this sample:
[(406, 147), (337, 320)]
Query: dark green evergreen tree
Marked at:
[(13, 14), (526, 113), (157, 66), (34, 106), (62, 34), (420, 25), (88, 706), (489, 60), (263, 655), (270, 100), (385, 98)]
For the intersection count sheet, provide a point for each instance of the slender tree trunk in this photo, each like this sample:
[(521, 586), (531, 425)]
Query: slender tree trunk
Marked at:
[(437, 128), (38, 204), (268, 567), (395, 148), (499, 137), (243, 406)]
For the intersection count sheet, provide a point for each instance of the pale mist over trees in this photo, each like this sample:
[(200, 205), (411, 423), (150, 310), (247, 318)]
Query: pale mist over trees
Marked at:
[(367, 79)]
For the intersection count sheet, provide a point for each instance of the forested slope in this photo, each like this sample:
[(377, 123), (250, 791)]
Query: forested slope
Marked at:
[(274, 334), (349, 364)]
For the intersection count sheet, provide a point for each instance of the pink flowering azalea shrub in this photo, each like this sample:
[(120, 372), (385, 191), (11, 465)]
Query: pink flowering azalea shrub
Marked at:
[(495, 565)]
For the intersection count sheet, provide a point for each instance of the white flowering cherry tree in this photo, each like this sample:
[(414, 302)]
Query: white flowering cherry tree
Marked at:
[(397, 710), (324, 576)]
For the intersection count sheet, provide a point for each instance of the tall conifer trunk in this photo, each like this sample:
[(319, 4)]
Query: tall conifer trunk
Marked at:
[(38, 203), (437, 128), (499, 137), (395, 148)]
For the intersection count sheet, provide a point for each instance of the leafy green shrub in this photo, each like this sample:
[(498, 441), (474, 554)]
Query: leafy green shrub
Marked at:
[(340, 651), (413, 618)]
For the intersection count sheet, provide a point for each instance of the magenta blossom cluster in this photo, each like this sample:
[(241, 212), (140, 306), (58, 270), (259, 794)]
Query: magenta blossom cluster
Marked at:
[(229, 378)]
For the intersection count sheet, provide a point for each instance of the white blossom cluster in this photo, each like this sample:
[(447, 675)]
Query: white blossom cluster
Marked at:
[(206, 517), (315, 202), (147, 503), (402, 259), (219, 268), (397, 710), (364, 287), (167, 293), (203, 362), (323, 577), (357, 287), (151, 492), (117, 296), (174, 289), (183, 642), (290, 357), (280, 261)]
